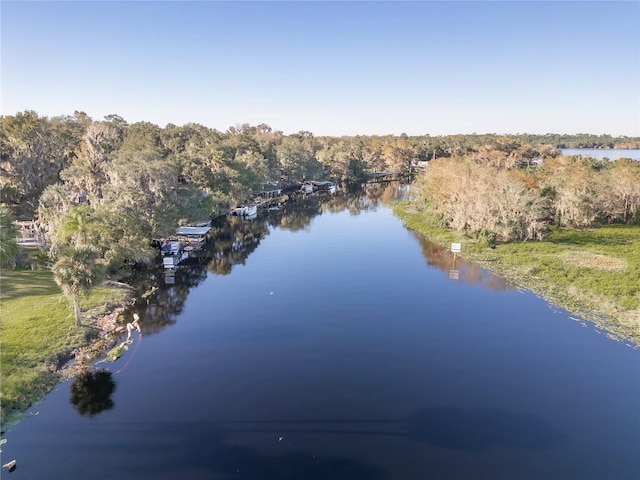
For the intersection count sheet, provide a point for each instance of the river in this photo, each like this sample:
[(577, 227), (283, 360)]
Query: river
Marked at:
[(327, 341)]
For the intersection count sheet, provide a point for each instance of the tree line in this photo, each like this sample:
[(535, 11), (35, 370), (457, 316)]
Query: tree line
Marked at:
[(111, 186), (497, 193)]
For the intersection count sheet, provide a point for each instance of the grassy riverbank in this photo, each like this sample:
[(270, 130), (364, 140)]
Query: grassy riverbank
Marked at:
[(38, 335), (594, 273)]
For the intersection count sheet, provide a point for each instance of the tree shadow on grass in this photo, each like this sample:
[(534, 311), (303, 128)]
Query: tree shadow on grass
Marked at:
[(20, 284)]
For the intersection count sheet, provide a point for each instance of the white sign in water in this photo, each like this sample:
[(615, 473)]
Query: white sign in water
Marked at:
[(455, 247)]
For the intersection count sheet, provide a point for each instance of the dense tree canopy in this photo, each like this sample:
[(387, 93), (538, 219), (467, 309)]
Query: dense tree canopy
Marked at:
[(132, 183), (500, 193)]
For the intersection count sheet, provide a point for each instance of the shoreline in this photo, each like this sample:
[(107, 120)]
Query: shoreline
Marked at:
[(618, 323), (104, 325), (109, 326)]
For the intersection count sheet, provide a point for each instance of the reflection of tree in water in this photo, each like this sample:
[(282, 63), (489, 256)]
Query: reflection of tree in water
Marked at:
[(162, 307), (438, 256), (299, 211), (365, 197), (91, 392), (234, 240)]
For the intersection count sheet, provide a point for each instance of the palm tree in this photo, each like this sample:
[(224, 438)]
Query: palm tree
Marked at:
[(75, 226), (8, 233), (75, 272)]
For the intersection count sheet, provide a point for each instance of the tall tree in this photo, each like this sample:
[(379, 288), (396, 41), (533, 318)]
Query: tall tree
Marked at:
[(53, 205), (579, 194), (153, 190), (78, 227), (399, 155), (472, 197), (76, 272), (34, 151), (8, 233), (88, 172), (297, 155), (623, 192)]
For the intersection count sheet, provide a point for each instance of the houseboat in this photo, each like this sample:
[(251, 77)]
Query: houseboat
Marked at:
[(187, 241), (193, 236), (246, 210)]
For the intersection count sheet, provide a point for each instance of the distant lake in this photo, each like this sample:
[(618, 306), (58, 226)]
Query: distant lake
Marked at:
[(600, 153), (326, 341)]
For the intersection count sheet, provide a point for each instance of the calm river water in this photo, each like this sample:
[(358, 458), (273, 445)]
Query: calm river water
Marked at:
[(326, 341)]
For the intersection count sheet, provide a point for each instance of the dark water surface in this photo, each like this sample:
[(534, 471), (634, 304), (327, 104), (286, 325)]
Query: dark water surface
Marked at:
[(326, 341)]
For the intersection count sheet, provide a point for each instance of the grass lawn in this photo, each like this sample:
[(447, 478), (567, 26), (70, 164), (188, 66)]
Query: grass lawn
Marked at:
[(37, 334), (594, 273)]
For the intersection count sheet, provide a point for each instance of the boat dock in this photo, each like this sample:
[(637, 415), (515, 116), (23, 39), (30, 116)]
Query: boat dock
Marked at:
[(187, 243)]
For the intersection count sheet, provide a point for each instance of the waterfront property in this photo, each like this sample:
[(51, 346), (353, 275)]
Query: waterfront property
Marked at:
[(374, 366), (194, 236), (187, 243), (245, 210)]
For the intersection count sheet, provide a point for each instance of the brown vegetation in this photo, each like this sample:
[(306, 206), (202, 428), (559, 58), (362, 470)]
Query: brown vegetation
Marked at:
[(512, 192)]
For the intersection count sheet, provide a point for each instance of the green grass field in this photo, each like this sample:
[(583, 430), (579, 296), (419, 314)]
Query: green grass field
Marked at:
[(37, 335), (594, 273)]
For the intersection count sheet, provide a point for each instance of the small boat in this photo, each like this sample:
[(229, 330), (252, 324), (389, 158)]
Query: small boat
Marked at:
[(170, 247), (173, 253)]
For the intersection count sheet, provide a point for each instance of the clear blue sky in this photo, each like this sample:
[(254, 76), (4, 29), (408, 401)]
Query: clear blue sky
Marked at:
[(331, 68)]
